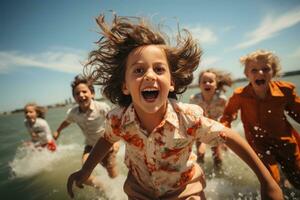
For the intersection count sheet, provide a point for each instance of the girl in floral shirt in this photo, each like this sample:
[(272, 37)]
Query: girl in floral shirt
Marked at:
[(142, 74)]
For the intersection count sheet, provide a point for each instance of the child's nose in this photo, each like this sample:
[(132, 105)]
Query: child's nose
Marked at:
[(261, 71), (150, 76)]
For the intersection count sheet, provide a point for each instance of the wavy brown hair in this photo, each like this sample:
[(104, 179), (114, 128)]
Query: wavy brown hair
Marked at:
[(107, 64), (222, 78), (81, 79)]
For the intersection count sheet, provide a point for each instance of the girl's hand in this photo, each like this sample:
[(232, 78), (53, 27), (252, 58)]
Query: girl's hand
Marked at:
[(79, 178), (55, 135), (34, 135), (271, 191)]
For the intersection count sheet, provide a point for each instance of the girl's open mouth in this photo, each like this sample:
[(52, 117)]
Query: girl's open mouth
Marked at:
[(150, 94)]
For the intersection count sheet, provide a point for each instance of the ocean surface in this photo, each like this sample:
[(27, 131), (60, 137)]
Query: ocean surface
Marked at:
[(41, 175)]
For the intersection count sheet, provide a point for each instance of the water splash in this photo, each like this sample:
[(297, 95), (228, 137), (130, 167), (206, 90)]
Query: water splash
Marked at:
[(30, 161)]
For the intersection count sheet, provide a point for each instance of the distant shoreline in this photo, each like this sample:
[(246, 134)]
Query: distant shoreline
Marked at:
[(284, 74)]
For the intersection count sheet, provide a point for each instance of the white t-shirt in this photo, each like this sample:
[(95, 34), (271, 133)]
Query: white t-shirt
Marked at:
[(91, 122), (41, 129)]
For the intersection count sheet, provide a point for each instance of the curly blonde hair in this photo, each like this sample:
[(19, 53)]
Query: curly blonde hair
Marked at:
[(222, 78), (40, 110), (258, 55), (107, 65)]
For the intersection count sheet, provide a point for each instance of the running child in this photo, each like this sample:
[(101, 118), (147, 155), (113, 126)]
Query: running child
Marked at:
[(89, 115), (263, 103), (38, 127), (142, 73), (212, 100)]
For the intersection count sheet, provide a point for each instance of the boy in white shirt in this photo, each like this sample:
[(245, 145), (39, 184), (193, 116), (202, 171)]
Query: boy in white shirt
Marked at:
[(89, 115)]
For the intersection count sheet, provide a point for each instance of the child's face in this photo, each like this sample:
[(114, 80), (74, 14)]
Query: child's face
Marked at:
[(83, 96), (30, 113), (148, 79), (259, 74), (208, 83)]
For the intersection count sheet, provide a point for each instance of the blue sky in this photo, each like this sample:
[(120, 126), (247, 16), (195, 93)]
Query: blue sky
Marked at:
[(43, 43)]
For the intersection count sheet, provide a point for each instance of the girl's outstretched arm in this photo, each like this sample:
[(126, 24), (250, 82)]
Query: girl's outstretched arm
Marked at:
[(99, 151), (269, 188)]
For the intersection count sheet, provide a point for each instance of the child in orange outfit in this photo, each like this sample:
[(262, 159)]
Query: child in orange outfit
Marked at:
[(212, 100), (263, 103)]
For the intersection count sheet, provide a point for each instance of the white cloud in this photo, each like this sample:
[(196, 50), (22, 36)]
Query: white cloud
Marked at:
[(271, 26), (209, 61), (65, 60), (203, 34), (296, 53)]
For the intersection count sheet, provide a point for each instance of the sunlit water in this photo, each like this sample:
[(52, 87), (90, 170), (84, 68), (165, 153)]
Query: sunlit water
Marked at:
[(27, 173)]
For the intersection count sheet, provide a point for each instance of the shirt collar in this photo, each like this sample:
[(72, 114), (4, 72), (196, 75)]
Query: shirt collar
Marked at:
[(274, 90), (171, 113), (129, 115), (170, 116), (91, 108)]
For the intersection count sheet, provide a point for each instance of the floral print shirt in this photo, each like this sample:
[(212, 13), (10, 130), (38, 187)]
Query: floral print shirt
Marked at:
[(213, 109), (163, 160)]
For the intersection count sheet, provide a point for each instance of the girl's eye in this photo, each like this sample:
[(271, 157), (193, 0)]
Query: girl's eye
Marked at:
[(138, 71), (266, 69), (254, 71), (159, 69)]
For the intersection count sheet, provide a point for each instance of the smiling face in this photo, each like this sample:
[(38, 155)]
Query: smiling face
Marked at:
[(208, 83), (30, 114), (83, 96), (148, 79), (259, 74)]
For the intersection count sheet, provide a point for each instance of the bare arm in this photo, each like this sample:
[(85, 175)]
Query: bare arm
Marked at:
[(269, 188), (99, 151), (63, 125)]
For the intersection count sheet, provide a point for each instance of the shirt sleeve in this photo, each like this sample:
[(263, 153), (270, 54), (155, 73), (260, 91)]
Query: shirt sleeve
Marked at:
[(210, 131), (105, 109), (112, 128), (46, 129), (293, 106), (70, 116), (231, 110), (202, 128)]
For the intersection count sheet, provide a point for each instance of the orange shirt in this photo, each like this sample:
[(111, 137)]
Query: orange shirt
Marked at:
[(264, 119)]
